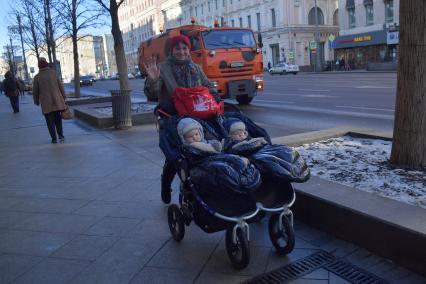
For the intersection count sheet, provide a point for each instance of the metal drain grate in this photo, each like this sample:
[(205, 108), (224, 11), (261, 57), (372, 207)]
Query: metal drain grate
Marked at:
[(353, 273), (294, 270), (320, 259)]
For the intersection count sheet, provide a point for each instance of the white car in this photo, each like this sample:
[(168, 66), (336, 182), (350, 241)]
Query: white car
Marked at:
[(130, 76), (284, 68)]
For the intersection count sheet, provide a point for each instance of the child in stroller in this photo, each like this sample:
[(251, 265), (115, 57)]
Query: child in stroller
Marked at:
[(231, 209)]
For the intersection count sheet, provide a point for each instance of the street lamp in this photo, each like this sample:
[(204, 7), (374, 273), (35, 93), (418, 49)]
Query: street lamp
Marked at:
[(318, 63)]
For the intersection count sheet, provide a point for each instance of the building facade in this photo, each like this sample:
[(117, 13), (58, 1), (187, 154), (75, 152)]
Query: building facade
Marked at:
[(287, 26), (139, 21), (91, 57), (369, 34), (109, 62)]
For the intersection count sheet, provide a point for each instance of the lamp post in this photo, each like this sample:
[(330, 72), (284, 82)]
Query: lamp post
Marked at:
[(318, 63)]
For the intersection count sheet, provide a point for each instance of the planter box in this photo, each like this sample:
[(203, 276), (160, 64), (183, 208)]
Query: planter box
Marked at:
[(389, 228), (90, 115), (89, 100)]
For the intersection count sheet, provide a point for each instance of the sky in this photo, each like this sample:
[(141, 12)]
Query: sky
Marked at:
[(5, 21)]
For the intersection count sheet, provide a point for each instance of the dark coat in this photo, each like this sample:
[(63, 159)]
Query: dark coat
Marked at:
[(11, 87)]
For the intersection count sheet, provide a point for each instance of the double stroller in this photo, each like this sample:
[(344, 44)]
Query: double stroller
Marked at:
[(209, 193)]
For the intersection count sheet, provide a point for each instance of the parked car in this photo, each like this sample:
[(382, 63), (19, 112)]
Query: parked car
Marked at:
[(130, 76), (284, 68), (93, 78), (86, 81)]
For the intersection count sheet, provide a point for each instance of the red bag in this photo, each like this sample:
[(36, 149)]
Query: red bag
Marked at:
[(196, 102)]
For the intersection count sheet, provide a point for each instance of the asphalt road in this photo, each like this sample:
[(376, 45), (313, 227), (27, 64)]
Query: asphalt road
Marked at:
[(305, 102)]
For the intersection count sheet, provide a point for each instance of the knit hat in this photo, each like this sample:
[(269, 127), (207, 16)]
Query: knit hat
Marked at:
[(187, 124), (234, 124), (179, 38), (42, 63)]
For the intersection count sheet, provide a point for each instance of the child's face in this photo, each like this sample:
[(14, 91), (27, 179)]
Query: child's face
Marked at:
[(239, 134), (193, 136)]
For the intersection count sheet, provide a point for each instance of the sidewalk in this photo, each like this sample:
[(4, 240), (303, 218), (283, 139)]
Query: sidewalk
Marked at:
[(89, 211)]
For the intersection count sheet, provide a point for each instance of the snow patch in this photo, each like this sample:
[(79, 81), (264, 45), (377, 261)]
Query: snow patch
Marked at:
[(364, 164)]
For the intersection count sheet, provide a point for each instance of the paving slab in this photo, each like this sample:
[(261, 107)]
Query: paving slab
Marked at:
[(107, 188)]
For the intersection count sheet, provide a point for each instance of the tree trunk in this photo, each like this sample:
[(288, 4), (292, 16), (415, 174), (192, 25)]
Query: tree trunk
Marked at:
[(76, 67), (46, 27), (51, 35), (409, 136), (118, 47), (23, 49)]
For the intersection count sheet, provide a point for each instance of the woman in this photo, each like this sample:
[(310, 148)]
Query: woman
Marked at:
[(177, 70), (49, 92), (10, 86)]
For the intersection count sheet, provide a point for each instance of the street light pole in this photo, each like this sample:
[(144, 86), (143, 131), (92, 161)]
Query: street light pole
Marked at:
[(318, 63)]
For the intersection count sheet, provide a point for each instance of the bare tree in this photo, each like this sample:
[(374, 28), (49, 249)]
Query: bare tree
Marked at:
[(409, 136), (111, 6), (76, 16), (31, 20)]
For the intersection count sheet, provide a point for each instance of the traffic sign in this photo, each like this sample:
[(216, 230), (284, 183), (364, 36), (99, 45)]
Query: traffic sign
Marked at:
[(312, 45), (290, 55), (331, 38)]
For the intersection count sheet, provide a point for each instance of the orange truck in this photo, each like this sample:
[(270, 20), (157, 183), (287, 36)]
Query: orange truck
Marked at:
[(230, 57)]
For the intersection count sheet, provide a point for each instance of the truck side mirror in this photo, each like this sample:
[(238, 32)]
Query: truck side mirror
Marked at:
[(259, 40)]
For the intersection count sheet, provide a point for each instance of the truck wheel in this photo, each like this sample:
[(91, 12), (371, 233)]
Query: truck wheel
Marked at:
[(244, 100)]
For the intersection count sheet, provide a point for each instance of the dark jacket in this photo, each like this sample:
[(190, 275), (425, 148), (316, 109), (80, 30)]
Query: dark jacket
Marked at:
[(163, 88), (10, 85)]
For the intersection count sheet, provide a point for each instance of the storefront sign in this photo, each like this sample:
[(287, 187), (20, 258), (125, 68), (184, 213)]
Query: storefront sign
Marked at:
[(362, 38), (290, 55), (312, 45), (393, 37), (365, 39)]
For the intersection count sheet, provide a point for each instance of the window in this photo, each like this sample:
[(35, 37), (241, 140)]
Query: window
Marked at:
[(336, 18), (223, 3), (311, 17), (274, 21), (215, 4), (258, 21), (222, 21), (202, 9), (249, 21), (233, 23), (208, 4), (351, 17), (241, 22), (389, 11), (369, 16), (196, 11)]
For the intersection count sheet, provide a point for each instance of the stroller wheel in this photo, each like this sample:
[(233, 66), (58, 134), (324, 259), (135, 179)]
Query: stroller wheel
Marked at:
[(282, 239), (176, 222), (239, 252)]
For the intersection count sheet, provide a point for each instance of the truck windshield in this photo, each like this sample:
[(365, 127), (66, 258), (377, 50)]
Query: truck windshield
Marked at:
[(228, 39)]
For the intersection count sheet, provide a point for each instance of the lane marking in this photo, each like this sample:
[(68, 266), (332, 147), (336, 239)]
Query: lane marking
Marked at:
[(374, 87), (318, 96), (366, 108), (268, 101), (313, 90)]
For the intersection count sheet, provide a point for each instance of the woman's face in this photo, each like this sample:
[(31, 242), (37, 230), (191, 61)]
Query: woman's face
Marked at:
[(180, 51)]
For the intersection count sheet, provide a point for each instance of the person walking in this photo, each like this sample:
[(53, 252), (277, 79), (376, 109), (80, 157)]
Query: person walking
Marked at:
[(21, 86), (49, 92), (10, 86), (178, 70)]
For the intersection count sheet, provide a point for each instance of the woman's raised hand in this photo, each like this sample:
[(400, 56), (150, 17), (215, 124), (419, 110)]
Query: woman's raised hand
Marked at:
[(151, 68)]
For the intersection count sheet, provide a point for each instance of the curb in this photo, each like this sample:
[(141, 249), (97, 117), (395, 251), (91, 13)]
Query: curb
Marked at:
[(388, 228)]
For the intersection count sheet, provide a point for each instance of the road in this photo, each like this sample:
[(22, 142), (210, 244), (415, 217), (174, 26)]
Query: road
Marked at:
[(305, 102)]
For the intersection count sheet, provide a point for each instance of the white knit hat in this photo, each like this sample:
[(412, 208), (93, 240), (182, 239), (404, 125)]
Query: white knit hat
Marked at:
[(238, 125), (187, 124)]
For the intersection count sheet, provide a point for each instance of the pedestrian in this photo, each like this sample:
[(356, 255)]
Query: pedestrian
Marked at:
[(269, 65), (21, 86), (49, 92), (10, 86), (342, 64), (337, 65), (178, 70), (1, 87)]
